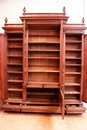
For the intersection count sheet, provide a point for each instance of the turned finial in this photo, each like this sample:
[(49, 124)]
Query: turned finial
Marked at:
[(83, 20), (6, 20), (24, 10), (64, 9)]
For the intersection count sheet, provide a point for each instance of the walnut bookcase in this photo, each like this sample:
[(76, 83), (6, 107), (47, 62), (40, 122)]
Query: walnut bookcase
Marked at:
[(44, 66)]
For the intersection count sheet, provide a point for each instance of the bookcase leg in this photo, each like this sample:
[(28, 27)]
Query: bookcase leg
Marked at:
[(63, 109)]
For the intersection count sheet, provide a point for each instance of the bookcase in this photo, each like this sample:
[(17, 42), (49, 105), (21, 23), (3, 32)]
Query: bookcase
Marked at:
[(14, 61), (44, 64)]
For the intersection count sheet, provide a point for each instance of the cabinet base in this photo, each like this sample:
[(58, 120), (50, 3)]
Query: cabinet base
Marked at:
[(73, 109), (32, 108)]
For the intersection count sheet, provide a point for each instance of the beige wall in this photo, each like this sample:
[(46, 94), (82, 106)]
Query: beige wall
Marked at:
[(12, 9)]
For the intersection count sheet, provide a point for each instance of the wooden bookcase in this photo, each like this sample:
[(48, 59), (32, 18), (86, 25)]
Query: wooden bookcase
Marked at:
[(45, 64), (14, 61)]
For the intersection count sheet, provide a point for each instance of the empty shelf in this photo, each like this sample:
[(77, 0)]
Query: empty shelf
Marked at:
[(15, 39), (15, 89), (72, 92), (43, 50), (44, 71), (72, 72), (43, 57), (15, 47), (72, 84), (73, 41), (18, 81), (44, 42), (15, 72)]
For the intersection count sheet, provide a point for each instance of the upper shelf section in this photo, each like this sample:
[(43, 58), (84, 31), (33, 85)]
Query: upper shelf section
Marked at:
[(74, 28), (13, 28), (44, 18), (44, 21)]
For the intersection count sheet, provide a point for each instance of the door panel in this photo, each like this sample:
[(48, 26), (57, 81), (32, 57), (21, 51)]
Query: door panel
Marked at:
[(2, 66), (85, 71)]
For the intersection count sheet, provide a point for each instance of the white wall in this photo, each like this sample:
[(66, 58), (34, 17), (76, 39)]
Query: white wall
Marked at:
[(12, 9)]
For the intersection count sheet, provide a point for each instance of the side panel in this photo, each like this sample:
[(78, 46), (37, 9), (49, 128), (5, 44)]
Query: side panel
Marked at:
[(2, 67), (85, 70)]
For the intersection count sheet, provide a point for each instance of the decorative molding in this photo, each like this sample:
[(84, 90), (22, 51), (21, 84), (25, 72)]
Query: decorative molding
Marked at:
[(43, 21), (74, 25), (45, 14)]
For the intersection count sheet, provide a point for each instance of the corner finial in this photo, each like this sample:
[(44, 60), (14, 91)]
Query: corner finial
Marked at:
[(6, 20), (83, 20), (24, 10), (64, 9)]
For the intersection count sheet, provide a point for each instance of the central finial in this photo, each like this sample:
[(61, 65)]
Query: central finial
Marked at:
[(24, 10), (64, 9)]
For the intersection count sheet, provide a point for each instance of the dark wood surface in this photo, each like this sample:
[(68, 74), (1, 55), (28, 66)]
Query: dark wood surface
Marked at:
[(85, 70)]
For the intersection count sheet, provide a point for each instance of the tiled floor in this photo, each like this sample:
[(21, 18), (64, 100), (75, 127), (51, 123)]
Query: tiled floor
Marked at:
[(20, 121)]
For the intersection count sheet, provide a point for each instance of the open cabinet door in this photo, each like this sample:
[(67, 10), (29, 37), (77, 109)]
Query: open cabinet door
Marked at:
[(85, 71)]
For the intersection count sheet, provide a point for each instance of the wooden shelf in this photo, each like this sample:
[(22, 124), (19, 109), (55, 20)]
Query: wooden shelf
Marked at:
[(15, 32), (44, 71), (15, 89), (72, 64), (73, 50), (43, 82), (14, 100), (72, 92), (42, 102), (15, 56), (43, 57), (42, 94), (15, 47), (46, 35), (72, 57), (72, 84), (33, 84), (15, 72), (43, 50), (15, 81), (15, 39), (72, 72), (43, 65), (73, 41), (15, 64), (44, 42)]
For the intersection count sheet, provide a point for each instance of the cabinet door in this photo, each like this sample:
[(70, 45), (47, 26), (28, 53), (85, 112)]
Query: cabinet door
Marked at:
[(85, 70), (2, 66)]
